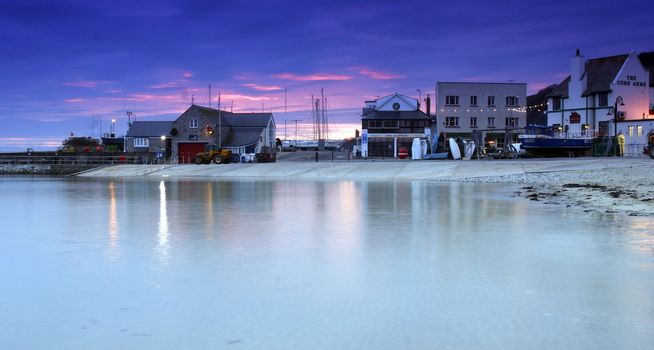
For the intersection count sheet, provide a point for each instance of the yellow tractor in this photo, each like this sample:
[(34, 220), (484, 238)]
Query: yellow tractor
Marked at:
[(218, 156), (650, 144)]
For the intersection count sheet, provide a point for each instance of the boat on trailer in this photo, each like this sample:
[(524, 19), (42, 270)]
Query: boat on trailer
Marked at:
[(551, 141)]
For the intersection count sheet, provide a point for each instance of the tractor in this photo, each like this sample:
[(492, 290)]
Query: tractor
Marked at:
[(212, 154), (650, 144)]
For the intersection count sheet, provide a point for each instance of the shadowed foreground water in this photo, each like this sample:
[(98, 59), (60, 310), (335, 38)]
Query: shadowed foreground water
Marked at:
[(191, 264)]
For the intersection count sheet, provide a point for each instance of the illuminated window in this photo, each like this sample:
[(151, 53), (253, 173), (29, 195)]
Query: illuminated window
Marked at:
[(141, 142), (639, 130), (630, 131)]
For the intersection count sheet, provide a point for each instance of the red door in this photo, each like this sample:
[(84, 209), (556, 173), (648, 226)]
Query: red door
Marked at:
[(186, 151)]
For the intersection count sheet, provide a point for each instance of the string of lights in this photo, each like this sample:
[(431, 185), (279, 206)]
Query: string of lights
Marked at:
[(542, 106)]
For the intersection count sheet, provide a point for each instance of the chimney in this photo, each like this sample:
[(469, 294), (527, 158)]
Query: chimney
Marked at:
[(577, 66), (428, 102)]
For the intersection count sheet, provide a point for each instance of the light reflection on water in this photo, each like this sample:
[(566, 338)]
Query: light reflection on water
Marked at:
[(278, 265)]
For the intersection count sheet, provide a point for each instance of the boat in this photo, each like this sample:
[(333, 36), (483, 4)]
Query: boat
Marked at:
[(436, 156), (550, 141), (454, 148)]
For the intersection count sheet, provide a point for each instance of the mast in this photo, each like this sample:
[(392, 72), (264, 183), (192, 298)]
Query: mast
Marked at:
[(220, 123)]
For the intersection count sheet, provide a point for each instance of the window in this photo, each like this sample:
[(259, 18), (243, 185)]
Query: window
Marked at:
[(511, 122), (473, 122), (556, 103), (141, 142), (452, 100), (639, 130), (491, 101), (193, 123), (452, 121), (630, 130), (491, 122), (511, 101), (473, 101), (603, 99)]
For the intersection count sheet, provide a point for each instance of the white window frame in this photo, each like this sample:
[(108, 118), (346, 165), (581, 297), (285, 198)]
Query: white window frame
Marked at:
[(141, 142), (512, 101), (473, 122), (511, 121), (639, 130), (491, 101), (491, 122), (192, 123), (473, 101), (452, 100), (451, 122)]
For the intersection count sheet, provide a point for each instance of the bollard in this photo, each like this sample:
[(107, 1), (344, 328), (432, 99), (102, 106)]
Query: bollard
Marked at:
[(316, 156)]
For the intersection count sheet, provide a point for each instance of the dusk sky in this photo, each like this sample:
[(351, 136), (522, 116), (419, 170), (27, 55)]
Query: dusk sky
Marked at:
[(72, 66)]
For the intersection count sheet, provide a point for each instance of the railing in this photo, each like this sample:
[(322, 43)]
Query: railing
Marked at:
[(68, 160)]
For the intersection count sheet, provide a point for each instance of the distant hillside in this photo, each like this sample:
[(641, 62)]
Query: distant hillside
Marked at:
[(536, 114)]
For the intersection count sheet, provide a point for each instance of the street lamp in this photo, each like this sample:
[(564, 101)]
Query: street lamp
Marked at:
[(616, 115), (614, 110)]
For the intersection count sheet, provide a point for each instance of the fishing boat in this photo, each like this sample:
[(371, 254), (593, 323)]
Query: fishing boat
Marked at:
[(551, 141)]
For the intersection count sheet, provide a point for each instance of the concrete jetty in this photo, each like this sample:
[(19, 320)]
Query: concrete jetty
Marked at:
[(369, 170)]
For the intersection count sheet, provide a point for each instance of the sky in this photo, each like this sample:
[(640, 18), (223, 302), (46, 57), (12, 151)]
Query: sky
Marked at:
[(73, 66)]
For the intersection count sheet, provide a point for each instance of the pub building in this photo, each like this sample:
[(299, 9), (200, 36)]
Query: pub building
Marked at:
[(585, 101)]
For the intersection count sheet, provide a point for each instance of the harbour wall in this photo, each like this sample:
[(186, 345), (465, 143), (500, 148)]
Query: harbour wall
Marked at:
[(366, 170)]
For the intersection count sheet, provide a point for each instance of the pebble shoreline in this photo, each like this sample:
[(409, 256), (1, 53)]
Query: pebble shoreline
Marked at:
[(628, 190)]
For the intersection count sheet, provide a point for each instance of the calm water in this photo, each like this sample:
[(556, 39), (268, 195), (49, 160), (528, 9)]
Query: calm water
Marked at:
[(191, 264)]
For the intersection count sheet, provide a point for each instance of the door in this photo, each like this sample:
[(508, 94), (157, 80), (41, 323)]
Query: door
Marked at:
[(186, 151)]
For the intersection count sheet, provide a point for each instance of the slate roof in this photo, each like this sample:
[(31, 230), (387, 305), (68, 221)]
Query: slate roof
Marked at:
[(601, 72), (396, 115), (149, 128), (238, 137), (237, 129), (561, 90), (647, 60)]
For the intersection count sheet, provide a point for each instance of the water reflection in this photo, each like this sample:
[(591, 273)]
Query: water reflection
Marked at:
[(410, 264), (163, 223)]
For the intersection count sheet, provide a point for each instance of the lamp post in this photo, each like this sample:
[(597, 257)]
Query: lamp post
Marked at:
[(614, 110), (618, 102)]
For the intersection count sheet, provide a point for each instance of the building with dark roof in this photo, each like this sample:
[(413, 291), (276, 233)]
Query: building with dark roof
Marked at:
[(584, 102), (391, 123), (149, 138), (199, 127)]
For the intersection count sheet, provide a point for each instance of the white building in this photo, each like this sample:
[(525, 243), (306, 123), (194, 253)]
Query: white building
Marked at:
[(584, 101), (464, 107), (391, 123)]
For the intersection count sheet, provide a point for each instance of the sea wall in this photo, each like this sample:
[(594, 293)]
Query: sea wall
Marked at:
[(43, 169), (366, 170)]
